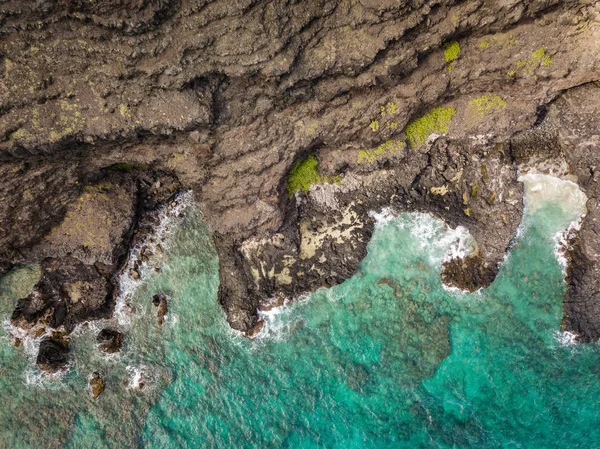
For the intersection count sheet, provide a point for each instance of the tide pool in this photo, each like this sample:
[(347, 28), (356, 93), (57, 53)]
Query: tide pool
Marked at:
[(388, 359)]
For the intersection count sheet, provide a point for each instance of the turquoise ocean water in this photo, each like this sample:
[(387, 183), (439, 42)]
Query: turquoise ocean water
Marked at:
[(388, 359)]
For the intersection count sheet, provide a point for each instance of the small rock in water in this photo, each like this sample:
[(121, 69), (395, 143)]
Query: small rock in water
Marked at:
[(53, 354), (134, 274), (17, 343), (160, 301), (96, 384), (157, 298), (110, 340)]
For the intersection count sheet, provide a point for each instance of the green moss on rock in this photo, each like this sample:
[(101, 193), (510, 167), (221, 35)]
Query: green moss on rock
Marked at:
[(436, 120), (304, 174), (451, 51)]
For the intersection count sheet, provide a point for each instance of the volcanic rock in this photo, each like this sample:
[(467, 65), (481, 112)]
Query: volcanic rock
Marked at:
[(53, 354), (110, 340), (96, 384)]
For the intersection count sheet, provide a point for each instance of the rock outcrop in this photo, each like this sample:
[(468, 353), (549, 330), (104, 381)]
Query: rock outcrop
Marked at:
[(96, 385), (53, 354), (160, 302), (290, 122), (110, 340)]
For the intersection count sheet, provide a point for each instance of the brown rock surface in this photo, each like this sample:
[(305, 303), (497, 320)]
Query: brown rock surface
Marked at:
[(229, 96), (96, 385)]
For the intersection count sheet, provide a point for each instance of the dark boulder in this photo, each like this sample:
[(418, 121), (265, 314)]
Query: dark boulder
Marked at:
[(110, 340), (160, 300), (53, 354)]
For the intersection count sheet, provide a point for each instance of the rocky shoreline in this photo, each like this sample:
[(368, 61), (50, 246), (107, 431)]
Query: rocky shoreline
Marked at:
[(290, 125)]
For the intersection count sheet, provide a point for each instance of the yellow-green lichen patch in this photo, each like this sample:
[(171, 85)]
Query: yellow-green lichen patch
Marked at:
[(537, 58), (546, 61), (391, 107), (487, 103), (484, 174), (538, 55), (389, 147), (484, 44), (67, 122), (124, 110), (305, 174), (437, 120), (442, 190), (336, 179), (374, 125), (19, 137), (451, 51)]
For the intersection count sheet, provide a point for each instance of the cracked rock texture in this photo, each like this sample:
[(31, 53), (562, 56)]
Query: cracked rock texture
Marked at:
[(224, 97)]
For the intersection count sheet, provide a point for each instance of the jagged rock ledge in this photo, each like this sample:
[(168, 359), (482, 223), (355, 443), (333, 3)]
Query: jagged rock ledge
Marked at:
[(80, 257), (226, 98), (326, 230)]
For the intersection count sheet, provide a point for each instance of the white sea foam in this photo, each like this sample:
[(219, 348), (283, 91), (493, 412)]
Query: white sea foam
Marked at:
[(442, 242), (29, 341), (565, 338), (280, 321), (166, 216), (384, 216), (561, 243), (139, 376), (541, 189), (32, 376)]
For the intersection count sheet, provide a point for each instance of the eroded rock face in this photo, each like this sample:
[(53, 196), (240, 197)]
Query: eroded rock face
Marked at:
[(110, 340), (327, 230), (68, 293), (567, 143), (80, 255), (227, 97), (53, 354), (578, 123)]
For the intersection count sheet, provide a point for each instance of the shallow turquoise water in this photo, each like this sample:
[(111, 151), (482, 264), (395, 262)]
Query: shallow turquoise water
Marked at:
[(388, 359)]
